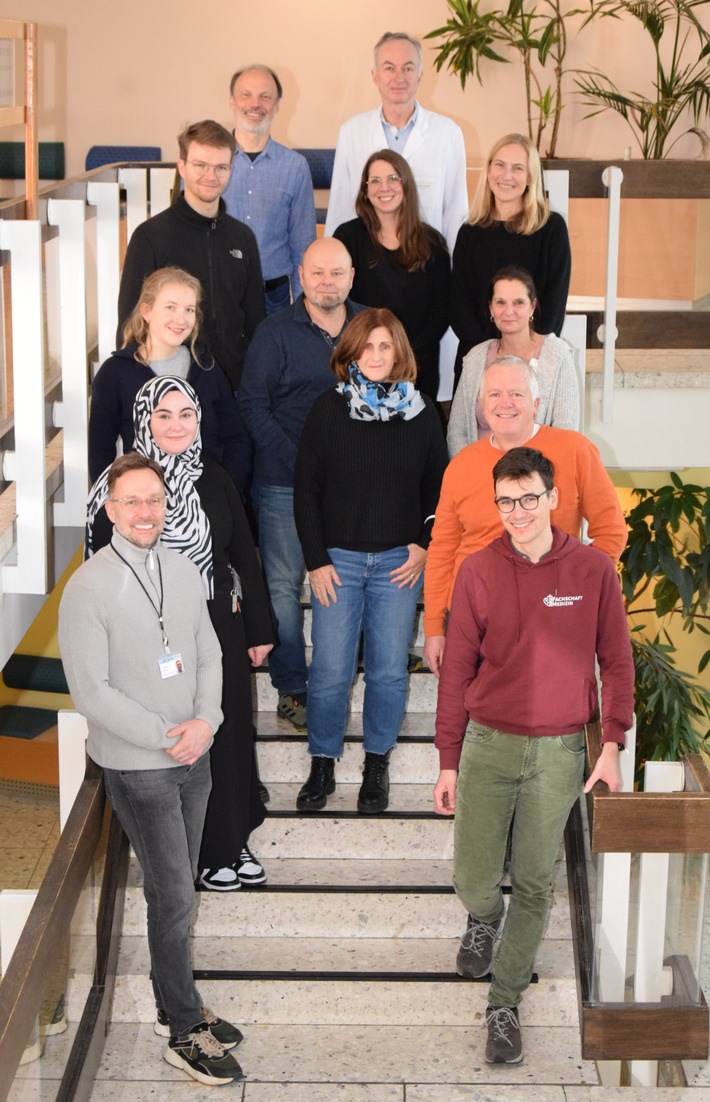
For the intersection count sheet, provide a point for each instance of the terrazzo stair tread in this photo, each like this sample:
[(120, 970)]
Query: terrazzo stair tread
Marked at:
[(280, 760), (330, 1000), (344, 834), (308, 1055), (421, 696), (433, 956), (416, 727), (333, 997), (302, 911), (404, 799), (386, 875)]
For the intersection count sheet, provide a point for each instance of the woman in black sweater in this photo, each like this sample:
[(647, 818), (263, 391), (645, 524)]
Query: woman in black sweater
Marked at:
[(205, 520), (367, 480), (400, 262), (510, 223)]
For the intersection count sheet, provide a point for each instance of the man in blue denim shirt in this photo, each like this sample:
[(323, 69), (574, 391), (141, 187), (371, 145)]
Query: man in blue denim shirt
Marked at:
[(270, 187)]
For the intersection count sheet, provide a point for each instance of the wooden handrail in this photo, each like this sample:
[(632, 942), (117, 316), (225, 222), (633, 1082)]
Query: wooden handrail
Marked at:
[(22, 988), (651, 822)]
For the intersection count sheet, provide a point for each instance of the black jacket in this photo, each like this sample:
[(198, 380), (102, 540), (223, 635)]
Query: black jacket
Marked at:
[(222, 253)]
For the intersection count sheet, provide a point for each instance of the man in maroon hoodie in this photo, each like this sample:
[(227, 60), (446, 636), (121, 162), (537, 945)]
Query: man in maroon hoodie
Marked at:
[(529, 615)]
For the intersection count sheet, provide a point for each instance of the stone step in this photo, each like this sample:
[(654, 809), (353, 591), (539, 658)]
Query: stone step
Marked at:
[(281, 758), (336, 899), (368, 1064), (409, 828), (421, 698), (331, 981)]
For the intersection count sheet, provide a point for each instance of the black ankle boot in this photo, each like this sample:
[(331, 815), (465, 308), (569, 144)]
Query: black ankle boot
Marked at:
[(374, 795), (319, 786)]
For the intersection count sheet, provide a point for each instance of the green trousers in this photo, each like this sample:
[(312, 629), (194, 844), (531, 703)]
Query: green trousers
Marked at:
[(533, 783)]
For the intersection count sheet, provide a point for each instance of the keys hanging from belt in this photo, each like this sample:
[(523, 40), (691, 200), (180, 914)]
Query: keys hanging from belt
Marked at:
[(236, 590)]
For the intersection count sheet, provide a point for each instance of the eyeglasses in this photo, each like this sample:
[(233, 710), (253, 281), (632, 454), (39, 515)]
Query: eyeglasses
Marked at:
[(203, 169), (528, 502), (377, 181), (155, 504)]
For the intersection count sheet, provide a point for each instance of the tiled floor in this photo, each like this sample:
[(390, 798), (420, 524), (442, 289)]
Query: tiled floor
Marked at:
[(29, 828)]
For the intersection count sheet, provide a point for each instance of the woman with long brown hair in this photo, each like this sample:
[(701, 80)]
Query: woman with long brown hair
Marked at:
[(400, 262)]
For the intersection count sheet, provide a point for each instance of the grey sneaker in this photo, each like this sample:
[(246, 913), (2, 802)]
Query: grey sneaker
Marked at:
[(475, 954), (505, 1044), (294, 710)]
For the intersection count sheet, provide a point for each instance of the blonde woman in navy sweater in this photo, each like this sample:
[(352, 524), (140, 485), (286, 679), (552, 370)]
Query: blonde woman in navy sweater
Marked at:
[(367, 480)]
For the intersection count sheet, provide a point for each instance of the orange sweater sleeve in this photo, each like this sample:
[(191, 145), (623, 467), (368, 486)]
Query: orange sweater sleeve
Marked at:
[(446, 538), (586, 491)]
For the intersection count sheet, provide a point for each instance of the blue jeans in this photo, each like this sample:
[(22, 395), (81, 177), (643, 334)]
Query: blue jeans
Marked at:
[(162, 812), (367, 602), (282, 558), (278, 298), (535, 782)]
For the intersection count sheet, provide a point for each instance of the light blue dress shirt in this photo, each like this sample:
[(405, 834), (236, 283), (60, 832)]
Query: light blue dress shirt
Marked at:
[(273, 196), (397, 139)]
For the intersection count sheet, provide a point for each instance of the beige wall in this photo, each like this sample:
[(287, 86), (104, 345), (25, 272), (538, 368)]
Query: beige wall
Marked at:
[(134, 72)]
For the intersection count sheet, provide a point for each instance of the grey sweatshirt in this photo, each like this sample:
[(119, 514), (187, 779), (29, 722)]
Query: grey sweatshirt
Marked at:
[(111, 644)]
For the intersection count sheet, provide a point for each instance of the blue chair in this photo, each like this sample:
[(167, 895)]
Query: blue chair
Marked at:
[(320, 163), (108, 154)]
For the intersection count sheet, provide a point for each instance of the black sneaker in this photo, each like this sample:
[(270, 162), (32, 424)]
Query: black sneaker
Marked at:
[(227, 1034), (199, 1054), (505, 1044), (475, 954)]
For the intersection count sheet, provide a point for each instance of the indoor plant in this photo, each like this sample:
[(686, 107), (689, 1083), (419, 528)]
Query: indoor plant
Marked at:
[(535, 30), (681, 83), (665, 571)]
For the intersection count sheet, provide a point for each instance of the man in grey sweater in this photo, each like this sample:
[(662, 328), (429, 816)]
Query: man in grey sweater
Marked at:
[(144, 667)]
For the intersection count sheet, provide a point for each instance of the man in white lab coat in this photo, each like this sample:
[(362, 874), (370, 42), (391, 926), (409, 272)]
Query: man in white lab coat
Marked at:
[(432, 144)]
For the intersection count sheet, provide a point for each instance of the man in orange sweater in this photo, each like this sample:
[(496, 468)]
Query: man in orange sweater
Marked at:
[(466, 517)]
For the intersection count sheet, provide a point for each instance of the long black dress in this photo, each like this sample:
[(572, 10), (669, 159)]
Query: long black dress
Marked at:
[(235, 808)]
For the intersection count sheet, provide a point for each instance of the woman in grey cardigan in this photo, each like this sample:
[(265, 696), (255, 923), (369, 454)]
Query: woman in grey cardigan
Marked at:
[(512, 302)]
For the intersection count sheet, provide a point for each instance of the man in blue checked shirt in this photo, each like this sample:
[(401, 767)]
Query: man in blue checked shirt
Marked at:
[(270, 188)]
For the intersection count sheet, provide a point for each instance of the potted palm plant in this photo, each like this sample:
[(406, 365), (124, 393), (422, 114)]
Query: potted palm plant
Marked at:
[(681, 82), (534, 30)]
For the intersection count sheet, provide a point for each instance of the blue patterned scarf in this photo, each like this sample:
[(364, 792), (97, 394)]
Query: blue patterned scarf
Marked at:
[(369, 401)]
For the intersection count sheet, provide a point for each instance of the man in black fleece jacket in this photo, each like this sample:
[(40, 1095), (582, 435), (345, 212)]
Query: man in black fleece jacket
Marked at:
[(197, 234)]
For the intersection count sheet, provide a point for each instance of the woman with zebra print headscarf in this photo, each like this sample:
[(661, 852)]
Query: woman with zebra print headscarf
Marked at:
[(205, 520)]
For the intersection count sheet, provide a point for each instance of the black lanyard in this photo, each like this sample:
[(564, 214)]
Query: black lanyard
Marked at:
[(159, 609)]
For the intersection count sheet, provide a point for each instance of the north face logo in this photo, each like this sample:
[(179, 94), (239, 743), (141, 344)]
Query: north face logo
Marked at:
[(557, 602)]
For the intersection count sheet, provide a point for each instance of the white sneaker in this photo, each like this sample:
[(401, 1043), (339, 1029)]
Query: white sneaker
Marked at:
[(249, 870), (220, 880)]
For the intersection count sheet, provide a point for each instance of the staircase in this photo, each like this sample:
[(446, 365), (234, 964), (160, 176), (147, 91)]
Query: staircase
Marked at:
[(341, 967)]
